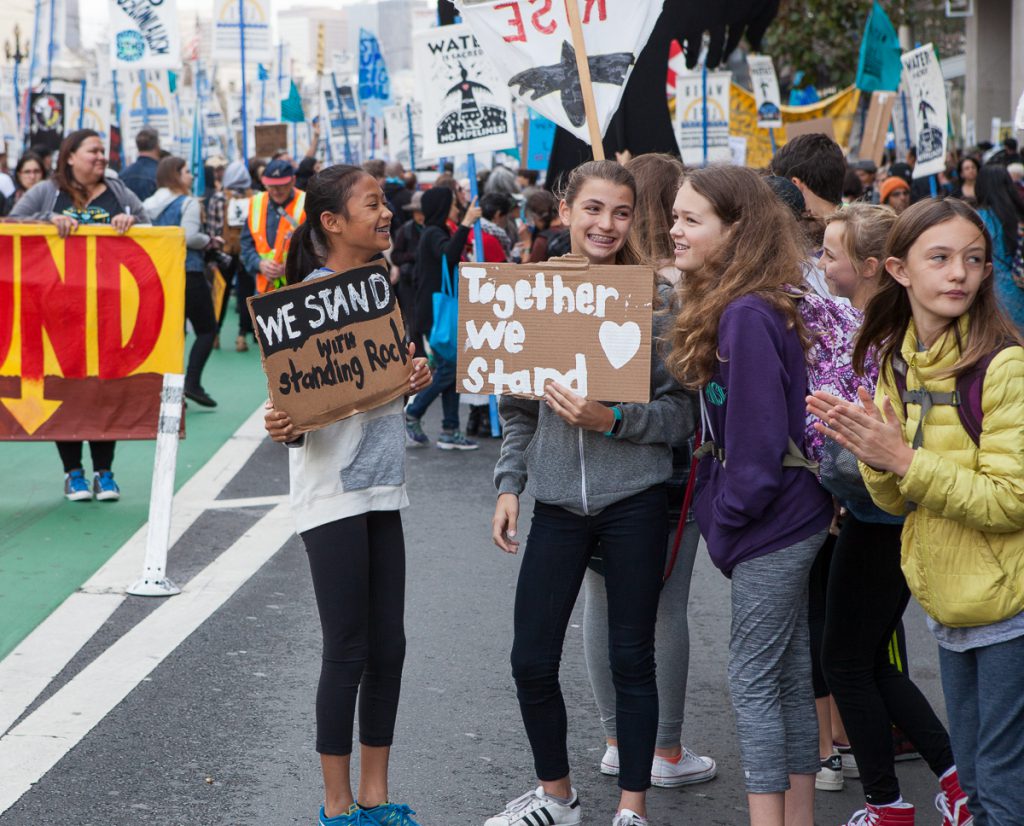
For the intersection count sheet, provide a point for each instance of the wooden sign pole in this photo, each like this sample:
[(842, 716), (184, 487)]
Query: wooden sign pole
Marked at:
[(572, 9)]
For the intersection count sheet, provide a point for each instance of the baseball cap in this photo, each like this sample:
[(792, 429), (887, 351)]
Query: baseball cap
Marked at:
[(416, 204), (278, 172)]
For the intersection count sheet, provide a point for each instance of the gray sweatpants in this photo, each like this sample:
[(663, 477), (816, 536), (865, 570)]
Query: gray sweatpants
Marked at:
[(770, 667), (672, 638)]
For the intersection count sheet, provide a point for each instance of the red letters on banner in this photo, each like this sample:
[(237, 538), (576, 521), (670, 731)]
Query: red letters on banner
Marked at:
[(518, 27)]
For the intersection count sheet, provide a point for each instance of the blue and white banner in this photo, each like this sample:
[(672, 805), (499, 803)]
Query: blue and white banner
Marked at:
[(144, 34), (229, 23), (374, 83)]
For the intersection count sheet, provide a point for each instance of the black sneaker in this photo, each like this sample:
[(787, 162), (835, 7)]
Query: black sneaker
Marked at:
[(199, 396)]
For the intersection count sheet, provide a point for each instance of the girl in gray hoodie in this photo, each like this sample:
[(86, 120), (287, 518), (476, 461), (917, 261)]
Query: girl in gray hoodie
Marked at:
[(598, 475)]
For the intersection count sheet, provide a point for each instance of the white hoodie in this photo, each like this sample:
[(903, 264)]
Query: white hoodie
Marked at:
[(191, 215)]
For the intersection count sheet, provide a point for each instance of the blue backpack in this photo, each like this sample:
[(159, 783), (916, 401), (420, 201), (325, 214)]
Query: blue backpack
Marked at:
[(170, 216)]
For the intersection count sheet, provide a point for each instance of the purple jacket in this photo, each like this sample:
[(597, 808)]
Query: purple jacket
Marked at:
[(751, 505)]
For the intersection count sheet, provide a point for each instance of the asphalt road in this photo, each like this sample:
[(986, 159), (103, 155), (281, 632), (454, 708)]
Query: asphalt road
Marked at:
[(221, 731)]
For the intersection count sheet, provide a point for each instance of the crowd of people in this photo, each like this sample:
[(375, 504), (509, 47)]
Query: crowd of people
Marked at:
[(851, 343)]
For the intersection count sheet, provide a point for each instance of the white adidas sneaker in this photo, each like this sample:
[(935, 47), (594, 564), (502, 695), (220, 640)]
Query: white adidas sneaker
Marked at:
[(537, 809)]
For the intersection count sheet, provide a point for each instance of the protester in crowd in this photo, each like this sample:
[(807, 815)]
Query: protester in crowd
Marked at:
[(958, 477), (966, 178), (853, 189), (657, 180), (526, 179), (867, 592), (397, 193), (173, 205), (214, 208), (866, 170), (1002, 209), (308, 167), (494, 209), (236, 187), (80, 193), (28, 172), (274, 215), (903, 170), (740, 342), (44, 151), (438, 243), (1007, 153), (550, 237), (378, 169), (617, 501), (1016, 171), (347, 484), (894, 193), (140, 177), (256, 169), (403, 257)]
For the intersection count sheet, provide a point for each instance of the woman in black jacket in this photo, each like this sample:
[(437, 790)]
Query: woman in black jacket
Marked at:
[(437, 242)]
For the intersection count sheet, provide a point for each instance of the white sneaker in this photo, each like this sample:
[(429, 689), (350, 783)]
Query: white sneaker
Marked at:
[(690, 768), (627, 817), (537, 809), (610, 761), (830, 775), (850, 769)]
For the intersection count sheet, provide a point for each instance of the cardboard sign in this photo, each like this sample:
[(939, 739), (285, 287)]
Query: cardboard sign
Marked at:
[(531, 46), (814, 126), (876, 126), (928, 109), (332, 347), (766, 91), (588, 328), (98, 319), (271, 138)]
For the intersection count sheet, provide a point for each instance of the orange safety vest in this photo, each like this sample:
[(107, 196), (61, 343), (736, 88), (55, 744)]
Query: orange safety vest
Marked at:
[(295, 214)]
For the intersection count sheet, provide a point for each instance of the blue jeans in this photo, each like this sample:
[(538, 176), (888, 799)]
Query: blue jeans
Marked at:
[(984, 690), (443, 385), (631, 534)]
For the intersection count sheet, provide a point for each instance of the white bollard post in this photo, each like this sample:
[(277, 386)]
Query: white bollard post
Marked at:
[(154, 581)]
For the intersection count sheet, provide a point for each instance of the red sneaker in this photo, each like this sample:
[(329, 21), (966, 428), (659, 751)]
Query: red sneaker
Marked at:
[(952, 802), (901, 815)]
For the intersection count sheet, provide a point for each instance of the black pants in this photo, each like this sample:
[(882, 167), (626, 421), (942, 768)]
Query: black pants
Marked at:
[(632, 537), (867, 595), (71, 455), (358, 567), (245, 285), (199, 310)]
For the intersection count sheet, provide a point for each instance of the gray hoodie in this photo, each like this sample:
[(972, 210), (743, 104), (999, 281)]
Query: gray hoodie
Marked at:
[(191, 215), (584, 471), (39, 201)]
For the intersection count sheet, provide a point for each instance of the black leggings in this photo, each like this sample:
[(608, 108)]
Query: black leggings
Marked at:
[(867, 595), (631, 534), (199, 310), (358, 567), (71, 455)]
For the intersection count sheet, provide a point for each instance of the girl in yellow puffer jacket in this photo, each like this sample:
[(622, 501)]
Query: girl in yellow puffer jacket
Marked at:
[(936, 317)]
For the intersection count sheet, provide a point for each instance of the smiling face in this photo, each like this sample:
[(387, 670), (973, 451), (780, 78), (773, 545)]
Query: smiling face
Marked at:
[(942, 273), (696, 229), (599, 219), (367, 229), (89, 161), (840, 272)]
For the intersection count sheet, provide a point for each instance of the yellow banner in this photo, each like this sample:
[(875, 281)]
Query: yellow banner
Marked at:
[(80, 319)]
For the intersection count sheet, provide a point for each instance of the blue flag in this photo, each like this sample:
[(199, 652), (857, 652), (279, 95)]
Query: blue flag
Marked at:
[(374, 83), (291, 106), (879, 68), (261, 72)]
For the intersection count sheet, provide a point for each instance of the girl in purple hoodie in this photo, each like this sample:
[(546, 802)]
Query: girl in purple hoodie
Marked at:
[(739, 341)]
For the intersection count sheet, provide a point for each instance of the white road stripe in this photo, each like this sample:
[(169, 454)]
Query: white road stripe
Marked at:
[(30, 667), (35, 745), (250, 502)]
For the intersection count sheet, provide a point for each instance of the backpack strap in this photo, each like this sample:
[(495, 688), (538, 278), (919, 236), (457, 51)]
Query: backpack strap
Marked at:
[(969, 387)]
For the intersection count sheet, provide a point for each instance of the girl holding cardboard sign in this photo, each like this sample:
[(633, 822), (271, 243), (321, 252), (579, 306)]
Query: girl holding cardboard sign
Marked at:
[(347, 484), (598, 475)]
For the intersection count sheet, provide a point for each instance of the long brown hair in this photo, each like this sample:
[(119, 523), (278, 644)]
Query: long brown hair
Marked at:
[(888, 313), (657, 181), (762, 254), (614, 173), (64, 178), (168, 174)]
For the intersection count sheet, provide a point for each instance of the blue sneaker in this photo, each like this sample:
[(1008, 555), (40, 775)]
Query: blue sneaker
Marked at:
[(104, 487), (392, 814), (353, 817), (414, 435), (76, 488)]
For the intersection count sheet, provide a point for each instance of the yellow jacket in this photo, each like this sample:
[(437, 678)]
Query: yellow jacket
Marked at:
[(963, 545)]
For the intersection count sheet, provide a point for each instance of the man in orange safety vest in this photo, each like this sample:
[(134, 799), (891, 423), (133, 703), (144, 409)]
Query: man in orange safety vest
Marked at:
[(274, 215)]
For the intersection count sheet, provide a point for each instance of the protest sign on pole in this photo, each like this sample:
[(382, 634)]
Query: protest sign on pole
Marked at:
[(586, 327), (93, 111), (332, 347), (702, 117), (270, 138), (534, 51), (876, 125), (99, 320), (144, 34), (466, 106), (149, 104), (928, 108), (404, 124), (228, 31), (47, 119), (374, 83), (766, 91), (540, 138)]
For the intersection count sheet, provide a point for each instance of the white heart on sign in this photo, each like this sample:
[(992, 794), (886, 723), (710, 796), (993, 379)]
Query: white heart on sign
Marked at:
[(619, 341)]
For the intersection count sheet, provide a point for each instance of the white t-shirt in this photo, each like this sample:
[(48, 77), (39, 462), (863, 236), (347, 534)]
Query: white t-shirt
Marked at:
[(6, 185)]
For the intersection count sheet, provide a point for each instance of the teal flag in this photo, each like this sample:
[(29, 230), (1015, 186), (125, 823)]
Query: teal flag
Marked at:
[(879, 67), (291, 106)]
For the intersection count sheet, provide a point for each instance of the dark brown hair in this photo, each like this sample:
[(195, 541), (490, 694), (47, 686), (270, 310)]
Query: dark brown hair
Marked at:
[(168, 173), (64, 178), (657, 182), (888, 313), (763, 254)]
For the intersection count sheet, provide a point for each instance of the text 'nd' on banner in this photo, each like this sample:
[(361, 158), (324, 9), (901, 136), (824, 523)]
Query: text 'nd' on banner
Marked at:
[(587, 328), (333, 346), (88, 326)]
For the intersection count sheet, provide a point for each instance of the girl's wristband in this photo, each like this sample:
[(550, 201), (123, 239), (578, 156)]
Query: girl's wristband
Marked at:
[(616, 425)]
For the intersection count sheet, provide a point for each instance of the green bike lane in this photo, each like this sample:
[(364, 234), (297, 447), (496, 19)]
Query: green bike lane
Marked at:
[(49, 547)]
